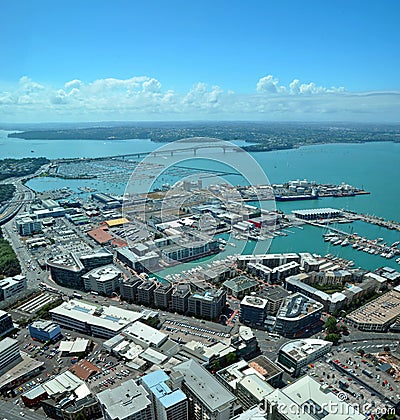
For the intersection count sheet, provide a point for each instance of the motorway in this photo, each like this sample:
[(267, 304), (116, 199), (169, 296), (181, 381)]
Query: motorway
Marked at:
[(22, 195)]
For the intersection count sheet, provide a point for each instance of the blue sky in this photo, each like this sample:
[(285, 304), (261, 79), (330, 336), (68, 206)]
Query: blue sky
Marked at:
[(144, 60)]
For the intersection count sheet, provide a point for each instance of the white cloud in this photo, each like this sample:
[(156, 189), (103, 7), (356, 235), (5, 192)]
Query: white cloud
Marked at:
[(144, 97), (27, 85), (73, 84), (269, 84), (151, 85)]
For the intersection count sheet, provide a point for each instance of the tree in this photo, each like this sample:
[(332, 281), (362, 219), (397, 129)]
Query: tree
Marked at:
[(334, 338), (386, 349), (231, 358), (331, 325)]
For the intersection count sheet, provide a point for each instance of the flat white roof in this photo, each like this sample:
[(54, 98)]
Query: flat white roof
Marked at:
[(108, 317), (145, 333)]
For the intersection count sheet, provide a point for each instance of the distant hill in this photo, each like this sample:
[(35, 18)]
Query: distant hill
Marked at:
[(263, 136)]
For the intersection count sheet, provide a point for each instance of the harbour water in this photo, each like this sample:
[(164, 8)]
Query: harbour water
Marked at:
[(372, 166)]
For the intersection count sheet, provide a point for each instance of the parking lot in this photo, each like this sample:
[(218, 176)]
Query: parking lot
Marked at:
[(112, 372), (357, 380), (185, 331)]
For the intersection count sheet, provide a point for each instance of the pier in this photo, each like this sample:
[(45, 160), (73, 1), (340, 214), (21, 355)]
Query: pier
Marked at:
[(374, 220)]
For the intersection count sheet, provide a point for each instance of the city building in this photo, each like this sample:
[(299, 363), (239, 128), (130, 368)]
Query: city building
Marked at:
[(207, 398), (144, 335), (253, 310), (44, 331), (145, 292), (28, 225), (104, 280), (274, 295), (162, 295), (208, 304), (377, 315), (168, 404), (240, 286), (180, 298), (260, 271), (331, 302), (103, 321), (278, 274), (6, 323), (307, 399), (10, 286), (128, 289), (298, 315), (139, 263), (128, 401), (68, 269), (251, 381), (96, 259), (190, 250), (296, 355), (252, 390), (55, 389), (315, 214), (308, 262), (9, 354)]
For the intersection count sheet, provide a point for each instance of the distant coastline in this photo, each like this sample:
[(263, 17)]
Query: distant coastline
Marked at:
[(262, 137)]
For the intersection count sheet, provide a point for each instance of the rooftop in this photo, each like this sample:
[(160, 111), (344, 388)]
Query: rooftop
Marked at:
[(240, 283), (109, 317), (297, 306), (211, 392), (254, 301), (156, 382), (382, 310), (125, 400), (301, 349)]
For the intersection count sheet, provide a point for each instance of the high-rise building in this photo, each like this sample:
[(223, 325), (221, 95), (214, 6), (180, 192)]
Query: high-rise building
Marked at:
[(207, 304), (9, 354), (162, 296), (6, 324), (168, 404), (298, 315), (180, 297), (129, 288), (145, 292), (208, 399), (253, 310), (28, 225)]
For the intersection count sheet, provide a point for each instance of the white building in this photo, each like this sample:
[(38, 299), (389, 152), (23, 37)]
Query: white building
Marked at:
[(295, 355), (144, 335), (105, 322), (10, 286), (28, 225), (168, 404), (307, 399), (104, 280), (128, 401), (9, 354), (208, 399)]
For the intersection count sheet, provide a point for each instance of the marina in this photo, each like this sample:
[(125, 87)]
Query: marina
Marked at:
[(359, 243)]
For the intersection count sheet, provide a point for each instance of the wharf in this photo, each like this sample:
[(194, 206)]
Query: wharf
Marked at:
[(374, 220)]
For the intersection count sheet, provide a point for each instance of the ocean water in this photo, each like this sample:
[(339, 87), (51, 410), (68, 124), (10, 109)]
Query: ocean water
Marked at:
[(372, 166)]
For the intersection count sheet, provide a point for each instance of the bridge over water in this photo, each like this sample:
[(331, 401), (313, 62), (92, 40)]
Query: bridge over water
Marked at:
[(160, 152)]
